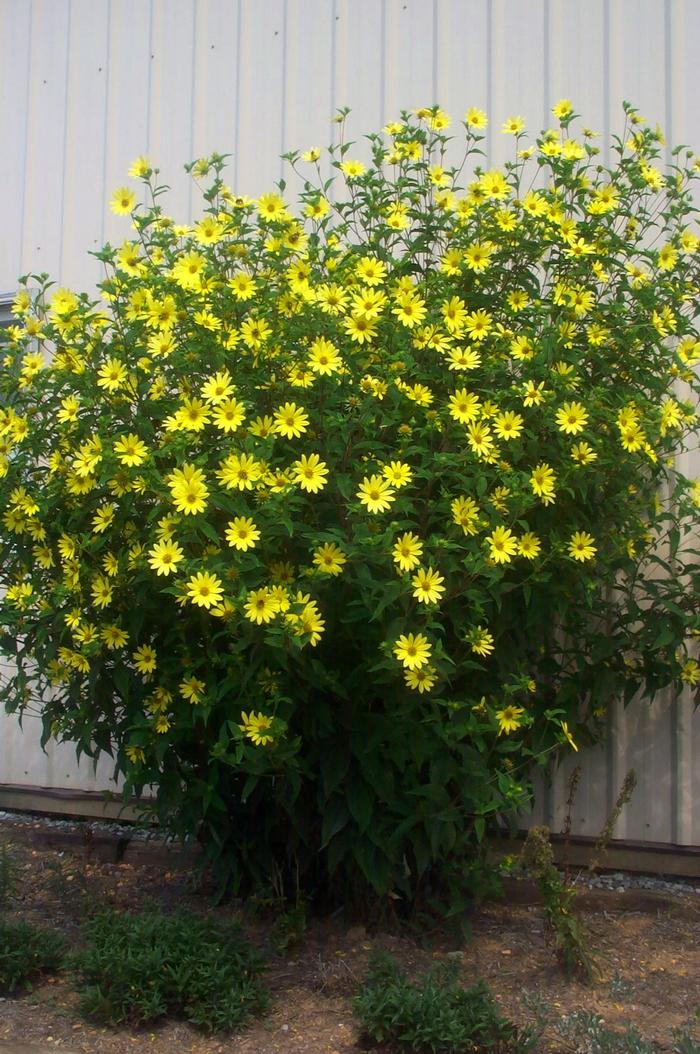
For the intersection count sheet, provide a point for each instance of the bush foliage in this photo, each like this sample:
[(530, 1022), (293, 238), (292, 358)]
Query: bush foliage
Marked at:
[(331, 524), (137, 968)]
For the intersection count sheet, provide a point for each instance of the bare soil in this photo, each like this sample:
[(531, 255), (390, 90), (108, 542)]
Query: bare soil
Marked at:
[(649, 946)]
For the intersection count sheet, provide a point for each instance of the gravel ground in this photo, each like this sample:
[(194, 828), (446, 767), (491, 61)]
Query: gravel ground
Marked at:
[(119, 830), (619, 881)]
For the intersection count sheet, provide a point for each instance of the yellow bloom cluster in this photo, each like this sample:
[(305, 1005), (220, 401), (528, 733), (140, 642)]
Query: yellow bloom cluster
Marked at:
[(268, 433)]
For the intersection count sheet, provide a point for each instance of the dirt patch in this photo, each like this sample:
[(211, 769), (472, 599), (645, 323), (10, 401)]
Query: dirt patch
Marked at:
[(649, 948)]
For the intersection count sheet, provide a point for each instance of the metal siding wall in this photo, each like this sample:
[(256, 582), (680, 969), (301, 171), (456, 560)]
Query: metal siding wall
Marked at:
[(91, 84)]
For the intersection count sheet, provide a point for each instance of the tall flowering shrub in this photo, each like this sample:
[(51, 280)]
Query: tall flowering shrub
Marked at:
[(328, 523)]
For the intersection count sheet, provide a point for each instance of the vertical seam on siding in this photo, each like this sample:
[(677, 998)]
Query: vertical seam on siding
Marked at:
[(285, 64), (668, 79), (193, 84), (606, 81), (546, 58), (382, 76), (674, 710), (103, 194), (62, 215), (150, 81), (333, 50), (27, 98), (237, 108), (489, 82), (435, 54)]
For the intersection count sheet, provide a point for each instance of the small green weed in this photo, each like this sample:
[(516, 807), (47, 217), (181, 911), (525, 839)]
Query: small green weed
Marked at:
[(138, 968), (436, 1016), (571, 942), (290, 927), (8, 875), (686, 1039), (26, 953), (590, 1035)]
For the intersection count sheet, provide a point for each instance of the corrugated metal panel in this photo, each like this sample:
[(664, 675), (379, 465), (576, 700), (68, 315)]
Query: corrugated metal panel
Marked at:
[(91, 84)]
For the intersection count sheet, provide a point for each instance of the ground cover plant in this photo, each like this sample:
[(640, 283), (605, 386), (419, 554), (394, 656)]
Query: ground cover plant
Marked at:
[(137, 968), (329, 524), (27, 953), (436, 1015)]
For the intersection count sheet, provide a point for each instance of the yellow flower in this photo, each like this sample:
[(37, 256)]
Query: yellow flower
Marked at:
[(122, 201), (271, 207), (165, 556), (407, 551), (422, 679), (581, 546), (397, 474), (242, 533), (508, 425), (135, 754), (239, 472), (583, 453), (529, 545), (360, 329), (478, 324), (543, 482), (218, 387), (567, 735), (310, 473), (427, 586), (503, 545), (228, 415), (480, 439), (564, 108), (375, 493), (145, 659), (534, 393), (412, 651), (352, 169), (204, 589), (131, 450), (667, 257), (112, 375), (329, 558), (101, 592), (480, 640), (509, 718), (513, 126), (187, 270), (188, 489), (370, 271), (260, 606), (478, 257), (192, 689), (291, 421), (102, 519), (572, 418), (464, 406), (476, 118), (140, 168), (410, 310), (255, 727), (193, 415), (463, 359), (324, 357), (368, 303), (465, 513)]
